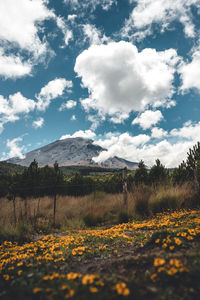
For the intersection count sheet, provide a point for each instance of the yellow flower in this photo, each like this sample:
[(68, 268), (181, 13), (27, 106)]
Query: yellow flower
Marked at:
[(64, 287), (172, 271), (6, 277), (183, 234), (161, 269), (171, 247), (175, 262), (122, 289), (157, 241), (177, 241), (19, 272), (158, 262), (37, 290), (89, 279), (153, 276), (164, 245), (93, 289), (69, 294), (72, 276)]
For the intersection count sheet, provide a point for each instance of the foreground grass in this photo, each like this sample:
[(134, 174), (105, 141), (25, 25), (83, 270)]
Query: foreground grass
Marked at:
[(157, 258)]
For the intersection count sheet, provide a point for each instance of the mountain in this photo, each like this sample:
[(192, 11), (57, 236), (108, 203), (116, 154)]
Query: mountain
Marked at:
[(71, 152)]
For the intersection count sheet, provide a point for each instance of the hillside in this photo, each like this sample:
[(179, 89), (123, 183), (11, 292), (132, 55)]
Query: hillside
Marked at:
[(9, 168)]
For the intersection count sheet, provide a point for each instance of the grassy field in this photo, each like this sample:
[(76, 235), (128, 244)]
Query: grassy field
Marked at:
[(154, 258)]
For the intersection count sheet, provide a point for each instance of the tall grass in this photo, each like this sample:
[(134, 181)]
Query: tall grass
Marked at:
[(36, 215)]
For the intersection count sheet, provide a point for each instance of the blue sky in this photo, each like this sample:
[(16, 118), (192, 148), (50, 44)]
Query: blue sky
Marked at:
[(125, 73)]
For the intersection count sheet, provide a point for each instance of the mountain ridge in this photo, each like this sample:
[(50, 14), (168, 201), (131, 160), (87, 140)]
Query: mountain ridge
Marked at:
[(71, 152)]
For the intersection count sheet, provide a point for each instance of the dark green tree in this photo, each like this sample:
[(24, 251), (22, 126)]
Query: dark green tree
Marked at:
[(157, 173), (141, 174)]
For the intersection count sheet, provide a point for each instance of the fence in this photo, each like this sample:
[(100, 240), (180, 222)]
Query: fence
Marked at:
[(24, 197)]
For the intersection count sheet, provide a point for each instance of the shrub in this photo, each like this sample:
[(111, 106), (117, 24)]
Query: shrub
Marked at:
[(123, 217), (141, 195), (91, 220), (160, 204)]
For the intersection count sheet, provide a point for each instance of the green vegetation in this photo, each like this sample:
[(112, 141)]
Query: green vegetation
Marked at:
[(71, 237)]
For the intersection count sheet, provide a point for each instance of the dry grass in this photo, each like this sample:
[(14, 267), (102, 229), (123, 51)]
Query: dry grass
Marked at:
[(143, 200), (68, 208)]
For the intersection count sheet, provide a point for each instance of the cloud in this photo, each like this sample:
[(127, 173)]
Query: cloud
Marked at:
[(190, 73), (171, 149), (189, 131), (68, 105), (51, 91), (16, 105), (148, 118), (68, 34), (15, 149), (158, 133), (94, 35), (13, 67), (38, 123), (13, 107), (119, 117), (87, 134), (19, 22), (121, 79), (73, 118), (88, 4), (122, 145), (148, 13)]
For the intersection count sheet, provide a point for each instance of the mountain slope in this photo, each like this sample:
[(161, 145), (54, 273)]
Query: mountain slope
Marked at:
[(69, 152)]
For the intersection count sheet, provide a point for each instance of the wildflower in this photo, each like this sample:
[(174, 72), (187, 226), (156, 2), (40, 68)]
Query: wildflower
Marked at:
[(6, 277), (37, 290), (175, 262), (19, 272), (153, 276), (72, 276), (89, 279), (171, 247), (158, 262), (93, 289), (183, 234), (164, 245), (157, 241), (172, 271), (122, 289), (69, 294), (177, 241)]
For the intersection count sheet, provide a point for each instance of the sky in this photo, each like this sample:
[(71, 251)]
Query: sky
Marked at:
[(124, 73)]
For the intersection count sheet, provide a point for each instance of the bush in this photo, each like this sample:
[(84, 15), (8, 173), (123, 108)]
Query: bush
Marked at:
[(161, 203), (20, 233), (123, 217), (92, 220), (141, 196)]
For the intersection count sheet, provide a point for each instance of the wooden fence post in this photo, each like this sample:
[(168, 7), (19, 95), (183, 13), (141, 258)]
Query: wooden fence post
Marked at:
[(124, 181)]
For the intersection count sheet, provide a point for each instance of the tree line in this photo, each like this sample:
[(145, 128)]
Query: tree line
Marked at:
[(50, 181)]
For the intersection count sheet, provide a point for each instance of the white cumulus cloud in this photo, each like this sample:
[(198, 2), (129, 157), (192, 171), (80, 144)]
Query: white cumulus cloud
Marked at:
[(121, 79), (12, 66), (158, 133), (147, 13), (86, 134), (15, 149), (51, 91), (148, 118), (190, 73), (68, 105), (38, 123)]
